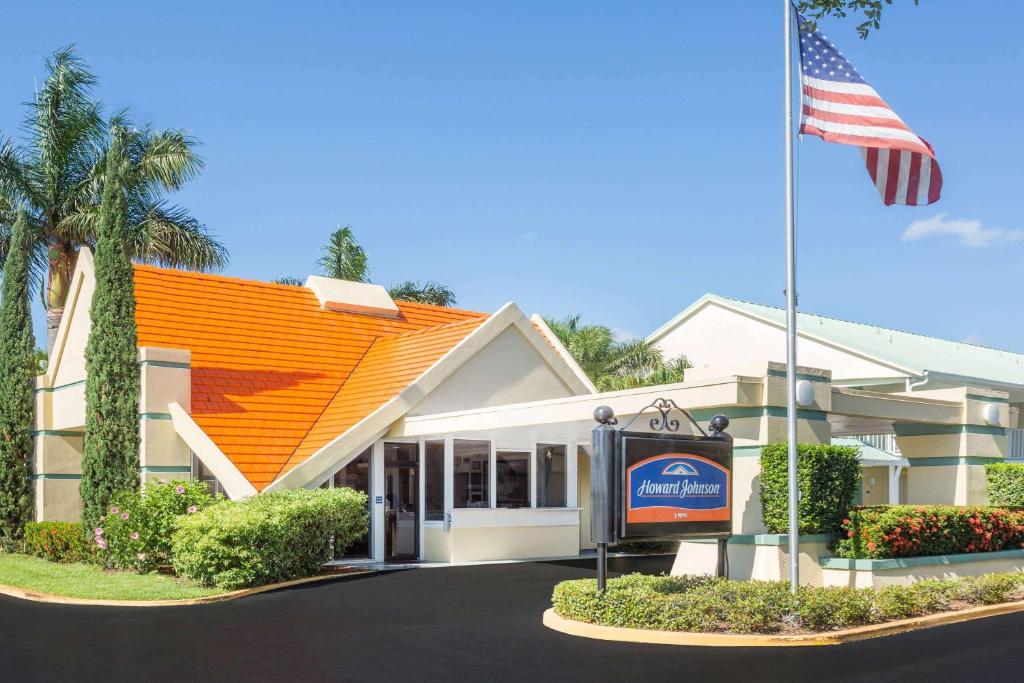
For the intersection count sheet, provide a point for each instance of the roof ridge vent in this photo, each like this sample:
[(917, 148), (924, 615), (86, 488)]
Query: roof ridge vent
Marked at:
[(352, 297)]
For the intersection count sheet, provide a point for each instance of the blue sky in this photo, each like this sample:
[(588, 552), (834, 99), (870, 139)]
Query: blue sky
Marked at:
[(612, 159)]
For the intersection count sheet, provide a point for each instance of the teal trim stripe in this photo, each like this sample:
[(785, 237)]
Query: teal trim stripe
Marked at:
[(56, 432), (166, 469), (756, 411), (164, 364), (44, 477), (953, 460), (799, 375), (768, 539), (154, 416), (912, 429), (988, 399), (926, 561), (50, 390)]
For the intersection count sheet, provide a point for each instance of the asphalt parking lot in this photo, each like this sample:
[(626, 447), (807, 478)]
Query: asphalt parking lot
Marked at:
[(478, 623)]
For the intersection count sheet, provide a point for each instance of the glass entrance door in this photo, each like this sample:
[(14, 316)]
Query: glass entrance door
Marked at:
[(401, 502)]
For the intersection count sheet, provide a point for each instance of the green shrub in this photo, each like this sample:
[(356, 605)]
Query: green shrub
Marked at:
[(829, 477), (1005, 483), (822, 609), (910, 530), (135, 533), (706, 604), (58, 542), (903, 602), (989, 589), (267, 538)]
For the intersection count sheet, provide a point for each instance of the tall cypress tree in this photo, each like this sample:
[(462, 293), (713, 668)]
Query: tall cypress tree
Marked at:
[(17, 379), (110, 462)]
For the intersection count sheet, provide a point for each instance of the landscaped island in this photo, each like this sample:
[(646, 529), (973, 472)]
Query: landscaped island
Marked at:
[(710, 604)]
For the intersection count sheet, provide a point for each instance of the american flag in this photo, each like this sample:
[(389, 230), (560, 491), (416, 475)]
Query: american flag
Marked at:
[(840, 106)]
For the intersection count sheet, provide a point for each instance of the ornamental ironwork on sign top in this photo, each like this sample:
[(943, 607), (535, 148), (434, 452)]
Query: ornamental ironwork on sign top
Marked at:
[(663, 421)]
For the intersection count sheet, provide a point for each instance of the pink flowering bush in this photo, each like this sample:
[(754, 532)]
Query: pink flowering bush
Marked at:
[(135, 533)]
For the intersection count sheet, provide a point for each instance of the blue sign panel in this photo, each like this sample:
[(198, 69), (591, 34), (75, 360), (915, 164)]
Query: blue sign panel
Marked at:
[(675, 487)]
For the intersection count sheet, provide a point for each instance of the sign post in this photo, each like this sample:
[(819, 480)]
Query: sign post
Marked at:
[(659, 484)]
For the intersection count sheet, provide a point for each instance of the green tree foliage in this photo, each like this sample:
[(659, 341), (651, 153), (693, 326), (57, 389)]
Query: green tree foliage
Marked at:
[(343, 259), (611, 364), (59, 169), (289, 280), (17, 380), (871, 10), (829, 477), (433, 293), (110, 462)]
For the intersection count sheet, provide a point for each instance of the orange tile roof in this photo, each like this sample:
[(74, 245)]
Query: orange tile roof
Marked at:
[(274, 376)]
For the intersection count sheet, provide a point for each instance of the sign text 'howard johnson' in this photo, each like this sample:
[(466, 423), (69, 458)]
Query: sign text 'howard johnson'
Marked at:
[(674, 486)]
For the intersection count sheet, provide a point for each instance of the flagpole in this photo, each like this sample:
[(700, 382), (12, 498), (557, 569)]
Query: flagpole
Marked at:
[(794, 489)]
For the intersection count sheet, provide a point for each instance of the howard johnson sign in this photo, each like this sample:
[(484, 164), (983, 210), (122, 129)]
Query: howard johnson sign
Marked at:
[(660, 484), (673, 487)]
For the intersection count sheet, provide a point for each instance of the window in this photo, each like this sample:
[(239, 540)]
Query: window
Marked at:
[(434, 481), (202, 473), (356, 475), (472, 474), (550, 467), (513, 479)]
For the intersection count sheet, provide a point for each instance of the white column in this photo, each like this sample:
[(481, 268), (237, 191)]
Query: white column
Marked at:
[(421, 474), (377, 501), (449, 480), (492, 475), (572, 489), (531, 471), (894, 484)]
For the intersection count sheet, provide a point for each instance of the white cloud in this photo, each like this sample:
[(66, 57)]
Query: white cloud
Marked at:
[(970, 232)]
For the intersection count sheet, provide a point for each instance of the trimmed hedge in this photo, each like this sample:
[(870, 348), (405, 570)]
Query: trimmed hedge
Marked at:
[(829, 477), (703, 603), (887, 531), (58, 542), (1005, 483), (267, 538)]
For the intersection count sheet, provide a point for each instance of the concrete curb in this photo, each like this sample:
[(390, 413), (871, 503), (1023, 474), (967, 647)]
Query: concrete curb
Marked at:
[(35, 596), (639, 635)]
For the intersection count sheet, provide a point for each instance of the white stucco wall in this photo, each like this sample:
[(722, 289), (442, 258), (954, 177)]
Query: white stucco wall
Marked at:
[(508, 370), (715, 336)]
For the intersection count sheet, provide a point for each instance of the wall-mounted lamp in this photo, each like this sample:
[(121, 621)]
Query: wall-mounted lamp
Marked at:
[(804, 393), (990, 413)]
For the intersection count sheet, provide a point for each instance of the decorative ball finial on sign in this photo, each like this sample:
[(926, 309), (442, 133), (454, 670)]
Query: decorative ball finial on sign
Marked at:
[(718, 424), (605, 415)]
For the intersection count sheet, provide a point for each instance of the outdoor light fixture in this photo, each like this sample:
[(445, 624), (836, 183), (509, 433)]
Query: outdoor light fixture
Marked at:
[(804, 393), (990, 413)]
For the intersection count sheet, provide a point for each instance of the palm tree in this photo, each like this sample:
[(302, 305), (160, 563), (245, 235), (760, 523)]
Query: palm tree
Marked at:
[(59, 171), (613, 364), (343, 259), (430, 292)]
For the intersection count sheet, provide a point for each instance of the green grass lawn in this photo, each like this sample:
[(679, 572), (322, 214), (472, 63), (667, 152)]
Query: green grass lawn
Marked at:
[(91, 582)]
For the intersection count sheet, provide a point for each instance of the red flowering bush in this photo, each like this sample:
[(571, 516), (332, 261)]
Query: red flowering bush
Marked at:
[(58, 541), (913, 530)]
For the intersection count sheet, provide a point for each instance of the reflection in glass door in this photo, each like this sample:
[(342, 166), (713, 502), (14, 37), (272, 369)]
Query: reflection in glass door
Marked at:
[(401, 502)]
